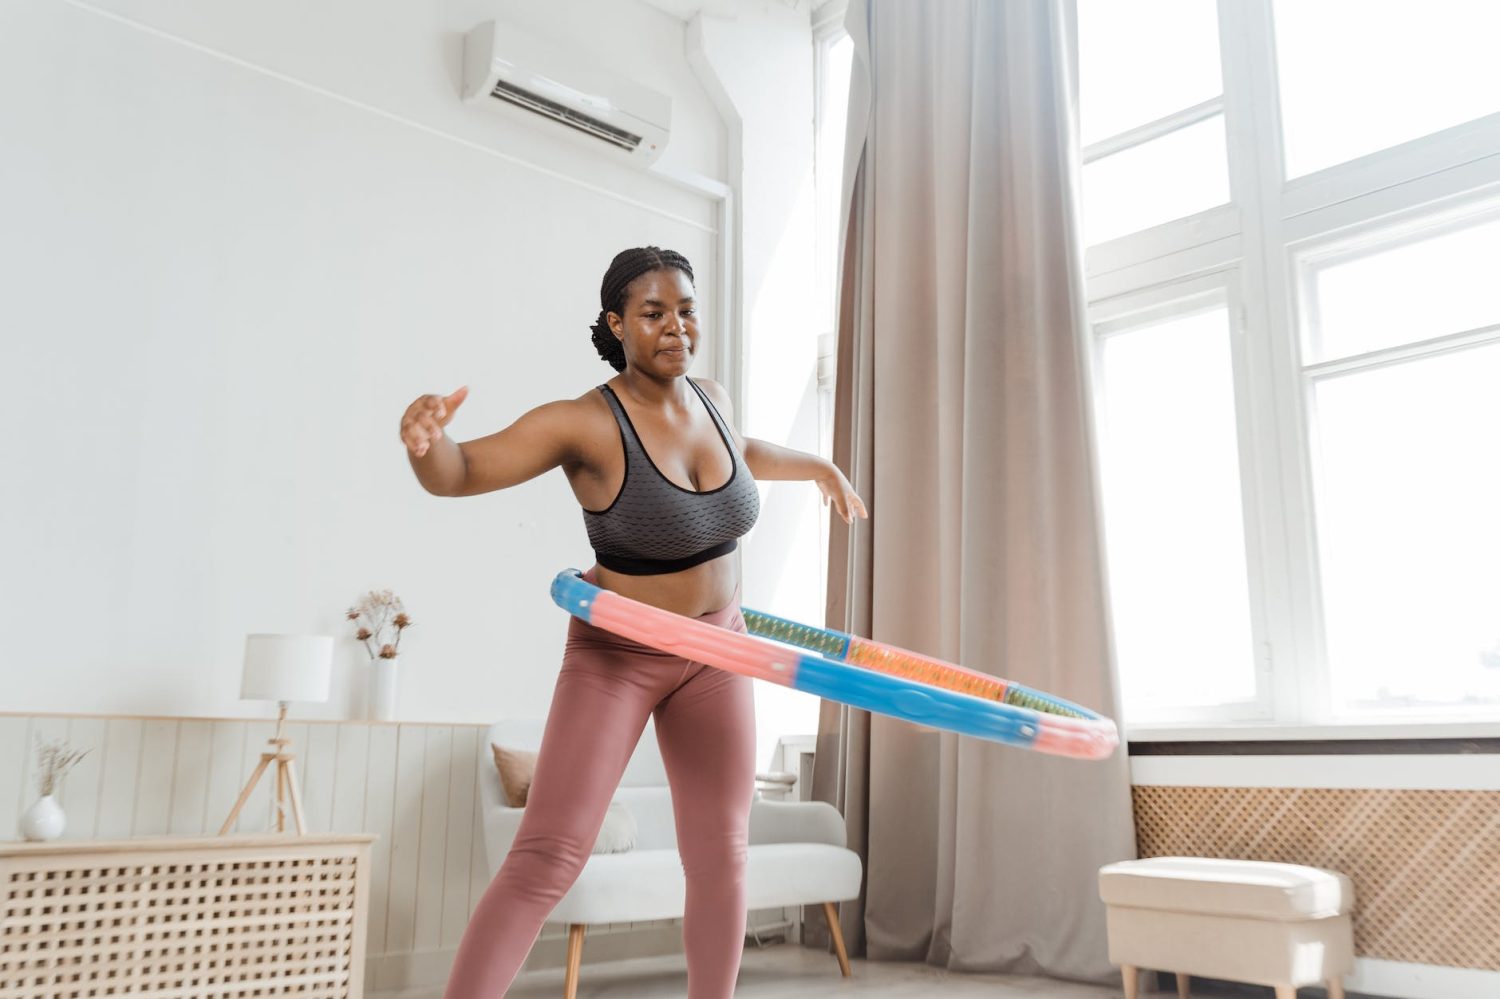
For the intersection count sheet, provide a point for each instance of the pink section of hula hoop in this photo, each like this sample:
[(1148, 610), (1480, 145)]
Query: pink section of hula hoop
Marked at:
[(694, 640), (1083, 738)]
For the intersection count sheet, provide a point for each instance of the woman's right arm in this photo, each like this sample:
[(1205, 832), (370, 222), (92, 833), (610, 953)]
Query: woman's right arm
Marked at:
[(539, 441)]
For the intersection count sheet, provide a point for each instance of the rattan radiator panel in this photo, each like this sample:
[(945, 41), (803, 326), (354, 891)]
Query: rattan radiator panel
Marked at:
[(1425, 864), (191, 919)]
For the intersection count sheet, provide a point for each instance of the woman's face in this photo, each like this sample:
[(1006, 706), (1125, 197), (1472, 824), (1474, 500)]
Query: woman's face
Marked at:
[(659, 329)]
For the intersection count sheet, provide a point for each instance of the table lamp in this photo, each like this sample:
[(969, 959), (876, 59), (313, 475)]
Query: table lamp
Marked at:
[(282, 668)]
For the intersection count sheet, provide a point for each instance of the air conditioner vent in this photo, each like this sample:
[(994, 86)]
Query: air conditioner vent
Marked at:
[(541, 84), (513, 94)]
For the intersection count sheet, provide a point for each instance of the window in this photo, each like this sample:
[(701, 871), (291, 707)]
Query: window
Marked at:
[(1297, 384), (1174, 516), (801, 398), (1403, 394), (834, 54), (1357, 77), (1152, 115)]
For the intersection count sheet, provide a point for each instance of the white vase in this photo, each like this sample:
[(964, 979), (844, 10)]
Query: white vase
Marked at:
[(44, 820), (383, 689)]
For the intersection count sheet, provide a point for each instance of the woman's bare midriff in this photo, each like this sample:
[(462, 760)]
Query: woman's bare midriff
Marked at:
[(691, 592)]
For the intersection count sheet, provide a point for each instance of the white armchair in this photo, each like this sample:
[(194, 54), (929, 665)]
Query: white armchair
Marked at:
[(797, 854)]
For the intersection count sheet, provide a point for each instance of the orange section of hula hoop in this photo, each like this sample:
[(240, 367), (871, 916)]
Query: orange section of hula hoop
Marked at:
[(901, 662)]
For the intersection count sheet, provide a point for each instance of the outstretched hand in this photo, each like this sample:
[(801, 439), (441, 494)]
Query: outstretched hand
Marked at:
[(424, 420), (837, 490)]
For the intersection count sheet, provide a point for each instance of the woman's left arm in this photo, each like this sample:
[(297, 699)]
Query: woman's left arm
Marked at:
[(768, 461), (771, 461)]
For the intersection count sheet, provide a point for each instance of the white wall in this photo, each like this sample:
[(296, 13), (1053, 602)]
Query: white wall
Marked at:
[(762, 63), (236, 241)]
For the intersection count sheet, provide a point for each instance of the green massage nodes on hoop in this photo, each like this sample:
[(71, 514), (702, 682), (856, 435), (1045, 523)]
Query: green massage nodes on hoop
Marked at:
[(853, 671)]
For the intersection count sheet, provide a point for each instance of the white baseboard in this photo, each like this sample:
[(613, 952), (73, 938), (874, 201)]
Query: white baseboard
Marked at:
[(429, 969), (1401, 980)]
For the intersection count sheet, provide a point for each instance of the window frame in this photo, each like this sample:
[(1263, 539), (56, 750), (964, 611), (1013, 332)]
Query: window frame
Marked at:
[(827, 30), (1121, 314), (1260, 247)]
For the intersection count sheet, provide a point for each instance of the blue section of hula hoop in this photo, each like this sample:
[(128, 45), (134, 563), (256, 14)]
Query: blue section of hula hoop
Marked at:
[(574, 594), (844, 639), (916, 702)]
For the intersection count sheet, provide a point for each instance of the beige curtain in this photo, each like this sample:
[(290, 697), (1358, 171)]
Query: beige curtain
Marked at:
[(962, 413)]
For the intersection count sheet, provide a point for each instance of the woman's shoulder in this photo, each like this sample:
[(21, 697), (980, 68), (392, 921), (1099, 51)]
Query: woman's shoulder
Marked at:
[(590, 399), (716, 393), (580, 407), (592, 421)]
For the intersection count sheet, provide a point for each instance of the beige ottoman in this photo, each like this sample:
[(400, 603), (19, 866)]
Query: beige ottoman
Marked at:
[(1239, 920)]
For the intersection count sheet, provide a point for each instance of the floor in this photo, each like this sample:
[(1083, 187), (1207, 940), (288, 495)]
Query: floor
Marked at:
[(786, 971)]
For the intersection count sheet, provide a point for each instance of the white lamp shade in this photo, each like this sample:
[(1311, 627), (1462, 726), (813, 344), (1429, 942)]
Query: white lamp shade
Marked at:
[(287, 668)]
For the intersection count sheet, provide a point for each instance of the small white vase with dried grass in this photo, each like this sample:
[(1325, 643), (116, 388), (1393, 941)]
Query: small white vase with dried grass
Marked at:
[(45, 820)]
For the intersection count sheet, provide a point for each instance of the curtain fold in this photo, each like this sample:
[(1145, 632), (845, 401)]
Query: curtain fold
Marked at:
[(962, 417)]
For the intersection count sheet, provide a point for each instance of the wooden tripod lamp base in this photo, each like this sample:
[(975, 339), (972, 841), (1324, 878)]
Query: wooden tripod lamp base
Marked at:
[(282, 668), (286, 782)]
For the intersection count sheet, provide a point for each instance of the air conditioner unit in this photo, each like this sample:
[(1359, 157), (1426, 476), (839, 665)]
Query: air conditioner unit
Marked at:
[(505, 65)]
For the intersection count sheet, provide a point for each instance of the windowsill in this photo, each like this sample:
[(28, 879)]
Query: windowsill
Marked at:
[(1269, 732)]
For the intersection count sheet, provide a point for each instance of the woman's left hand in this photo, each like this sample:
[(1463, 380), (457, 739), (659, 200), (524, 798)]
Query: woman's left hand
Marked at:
[(837, 489)]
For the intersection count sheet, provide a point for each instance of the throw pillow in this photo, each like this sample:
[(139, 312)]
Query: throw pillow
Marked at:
[(618, 833), (516, 768)]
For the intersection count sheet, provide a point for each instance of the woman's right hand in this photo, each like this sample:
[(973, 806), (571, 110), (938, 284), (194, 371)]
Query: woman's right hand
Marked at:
[(425, 419)]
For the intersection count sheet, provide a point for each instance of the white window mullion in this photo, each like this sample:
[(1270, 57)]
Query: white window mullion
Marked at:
[(1276, 476), (1411, 162), (1215, 231), (1259, 497), (1153, 130)]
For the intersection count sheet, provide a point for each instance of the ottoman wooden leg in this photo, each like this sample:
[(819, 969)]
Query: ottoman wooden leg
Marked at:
[(1335, 988), (1286, 992), (1129, 973), (1182, 986)]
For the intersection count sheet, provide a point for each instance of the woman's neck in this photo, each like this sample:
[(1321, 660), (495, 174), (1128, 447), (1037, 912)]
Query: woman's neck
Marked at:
[(659, 393)]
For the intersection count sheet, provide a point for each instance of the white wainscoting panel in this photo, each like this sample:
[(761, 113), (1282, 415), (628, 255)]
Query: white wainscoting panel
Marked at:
[(412, 785)]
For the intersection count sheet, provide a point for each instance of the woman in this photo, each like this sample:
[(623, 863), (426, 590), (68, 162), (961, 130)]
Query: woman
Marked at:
[(666, 488)]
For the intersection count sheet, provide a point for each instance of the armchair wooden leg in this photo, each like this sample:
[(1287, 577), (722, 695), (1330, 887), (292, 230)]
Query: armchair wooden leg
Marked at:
[(575, 958), (1335, 988), (1182, 986), (1286, 992), (837, 932), (1129, 973)]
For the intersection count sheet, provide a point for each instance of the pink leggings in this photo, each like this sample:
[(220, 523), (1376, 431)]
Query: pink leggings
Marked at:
[(705, 726)]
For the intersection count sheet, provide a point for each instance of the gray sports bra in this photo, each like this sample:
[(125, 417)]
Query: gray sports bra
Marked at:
[(656, 526)]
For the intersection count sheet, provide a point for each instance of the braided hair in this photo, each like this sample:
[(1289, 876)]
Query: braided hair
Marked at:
[(625, 268)]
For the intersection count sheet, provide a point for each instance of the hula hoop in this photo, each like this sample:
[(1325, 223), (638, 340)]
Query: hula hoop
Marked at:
[(854, 671)]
